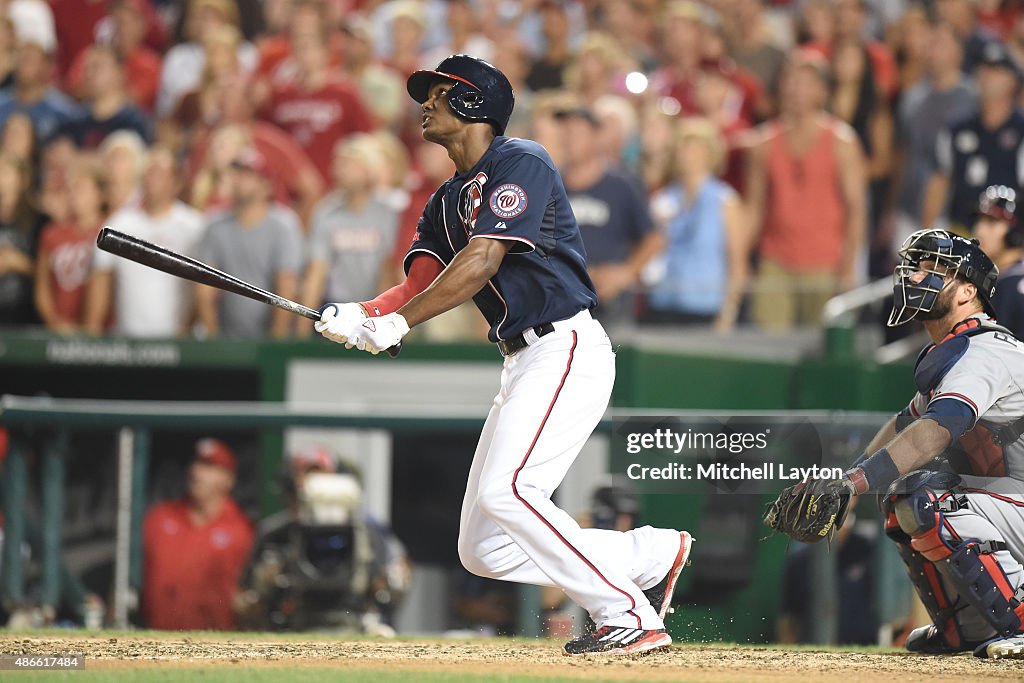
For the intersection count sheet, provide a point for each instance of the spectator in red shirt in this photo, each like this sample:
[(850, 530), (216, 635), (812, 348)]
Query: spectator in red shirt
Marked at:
[(128, 27), (277, 65), (65, 253), (753, 104), (317, 110), (682, 40), (75, 21), (196, 547), (718, 99), (295, 180)]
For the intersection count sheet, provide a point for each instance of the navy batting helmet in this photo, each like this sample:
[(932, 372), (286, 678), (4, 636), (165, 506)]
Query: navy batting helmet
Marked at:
[(927, 258), (1000, 202), (479, 92)]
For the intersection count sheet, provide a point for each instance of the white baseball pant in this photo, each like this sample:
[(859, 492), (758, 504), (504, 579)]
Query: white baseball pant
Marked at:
[(553, 394)]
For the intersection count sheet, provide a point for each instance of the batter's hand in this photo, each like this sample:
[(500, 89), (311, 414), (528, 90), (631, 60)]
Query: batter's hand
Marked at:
[(377, 334), (337, 321)]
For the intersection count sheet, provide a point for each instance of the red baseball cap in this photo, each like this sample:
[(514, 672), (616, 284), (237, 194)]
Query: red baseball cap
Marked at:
[(216, 452)]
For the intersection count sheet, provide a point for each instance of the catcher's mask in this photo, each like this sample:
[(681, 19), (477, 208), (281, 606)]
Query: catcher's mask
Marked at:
[(931, 260)]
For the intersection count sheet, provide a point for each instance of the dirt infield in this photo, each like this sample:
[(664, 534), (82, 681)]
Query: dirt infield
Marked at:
[(506, 658)]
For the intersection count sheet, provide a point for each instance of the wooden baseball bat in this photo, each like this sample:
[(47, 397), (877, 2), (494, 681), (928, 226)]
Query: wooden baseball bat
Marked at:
[(140, 251)]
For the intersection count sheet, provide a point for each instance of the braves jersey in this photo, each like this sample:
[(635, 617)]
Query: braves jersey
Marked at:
[(976, 382), (513, 193), (1008, 301)]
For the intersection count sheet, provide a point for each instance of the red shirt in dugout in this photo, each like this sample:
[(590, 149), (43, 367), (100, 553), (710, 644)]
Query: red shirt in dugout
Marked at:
[(191, 573), (317, 119)]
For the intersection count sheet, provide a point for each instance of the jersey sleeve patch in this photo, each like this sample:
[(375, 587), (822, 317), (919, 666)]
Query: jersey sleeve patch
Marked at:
[(508, 201)]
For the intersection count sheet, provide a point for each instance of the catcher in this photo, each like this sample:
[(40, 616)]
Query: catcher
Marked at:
[(950, 464)]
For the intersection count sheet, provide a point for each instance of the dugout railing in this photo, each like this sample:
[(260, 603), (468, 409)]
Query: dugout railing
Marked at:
[(52, 421)]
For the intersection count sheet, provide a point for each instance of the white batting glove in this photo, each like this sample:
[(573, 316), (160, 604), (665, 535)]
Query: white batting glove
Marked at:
[(378, 334), (337, 321)]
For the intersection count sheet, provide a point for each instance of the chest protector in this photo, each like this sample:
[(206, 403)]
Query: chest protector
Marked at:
[(980, 450)]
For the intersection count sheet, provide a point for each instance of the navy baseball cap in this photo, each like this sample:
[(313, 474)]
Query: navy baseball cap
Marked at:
[(995, 54)]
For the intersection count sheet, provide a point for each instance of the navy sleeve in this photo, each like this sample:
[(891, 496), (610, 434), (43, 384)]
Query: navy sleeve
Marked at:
[(425, 241), (516, 198), (955, 415)]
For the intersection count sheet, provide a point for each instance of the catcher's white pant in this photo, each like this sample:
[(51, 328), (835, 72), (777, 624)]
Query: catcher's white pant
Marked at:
[(553, 393), (995, 512)]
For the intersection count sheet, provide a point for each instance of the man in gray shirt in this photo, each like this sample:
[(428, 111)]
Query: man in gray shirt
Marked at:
[(352, 231), (260, 243), (946, 97)]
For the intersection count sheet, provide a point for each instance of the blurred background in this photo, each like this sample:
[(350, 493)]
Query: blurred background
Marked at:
[(743, 171)]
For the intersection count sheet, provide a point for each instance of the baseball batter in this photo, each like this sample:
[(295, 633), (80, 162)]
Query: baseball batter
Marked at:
[(501, 232), (951, 464)]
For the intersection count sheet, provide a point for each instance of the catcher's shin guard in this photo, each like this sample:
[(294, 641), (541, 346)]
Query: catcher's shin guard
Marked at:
[(972, 570), (919, 501), (928, 583)]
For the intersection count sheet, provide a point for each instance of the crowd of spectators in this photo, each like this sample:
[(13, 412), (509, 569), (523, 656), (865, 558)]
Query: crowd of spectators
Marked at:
[(730, 161)]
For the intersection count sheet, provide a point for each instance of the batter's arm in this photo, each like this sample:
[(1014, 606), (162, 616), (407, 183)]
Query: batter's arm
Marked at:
[(466, 275)]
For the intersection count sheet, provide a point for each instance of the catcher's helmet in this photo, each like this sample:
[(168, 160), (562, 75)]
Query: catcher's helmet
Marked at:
[(479, 92), (916, 287), (1000, 202)]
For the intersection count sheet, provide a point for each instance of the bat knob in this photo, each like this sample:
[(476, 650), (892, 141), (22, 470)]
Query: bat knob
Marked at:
[(323, 311)]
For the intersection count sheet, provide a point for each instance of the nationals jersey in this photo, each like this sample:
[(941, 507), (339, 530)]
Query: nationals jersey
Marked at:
[(1008, 301), (513, 193), (975, 386)]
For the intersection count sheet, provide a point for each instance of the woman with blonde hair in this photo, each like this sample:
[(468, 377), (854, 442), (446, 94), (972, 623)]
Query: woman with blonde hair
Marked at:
[(393, 181), (123, 157), (599, 66), (704, 266)]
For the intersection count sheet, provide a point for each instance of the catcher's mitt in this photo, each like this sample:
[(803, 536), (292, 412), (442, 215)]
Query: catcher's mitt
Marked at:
[(811, 510)]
